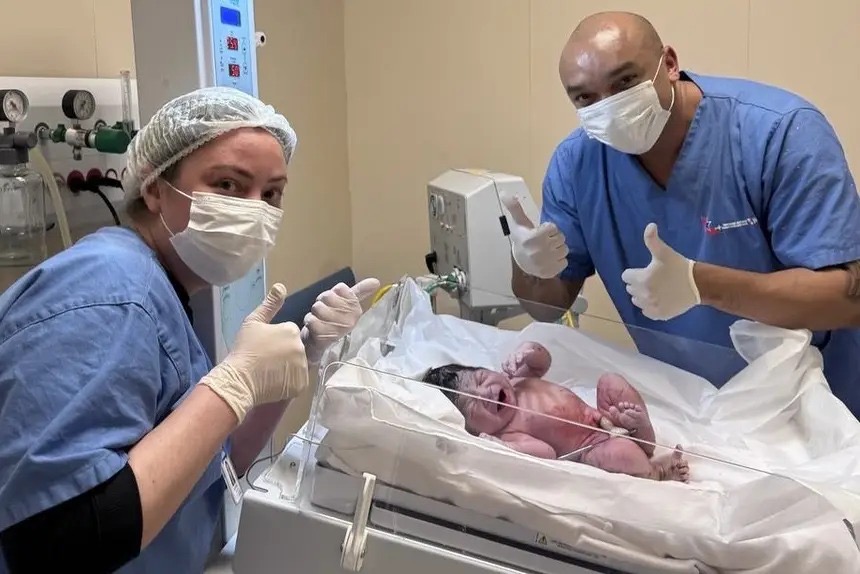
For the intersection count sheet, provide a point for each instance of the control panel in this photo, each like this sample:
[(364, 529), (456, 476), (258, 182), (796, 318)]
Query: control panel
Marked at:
[(234, 48), (233, 44), (448, 222)]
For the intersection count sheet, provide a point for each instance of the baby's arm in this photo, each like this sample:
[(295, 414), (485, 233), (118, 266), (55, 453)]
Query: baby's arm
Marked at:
[(524, 443), (530, 359)]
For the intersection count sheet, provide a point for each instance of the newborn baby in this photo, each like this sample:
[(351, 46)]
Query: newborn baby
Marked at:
[(520, 385)]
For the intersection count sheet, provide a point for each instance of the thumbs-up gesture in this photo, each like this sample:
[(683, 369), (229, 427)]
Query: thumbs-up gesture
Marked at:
[(267, 363), (333, 315), (539, 251), (666, 288)]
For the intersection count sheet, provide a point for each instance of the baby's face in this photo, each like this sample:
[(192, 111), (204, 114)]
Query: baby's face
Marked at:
[(493, 413)]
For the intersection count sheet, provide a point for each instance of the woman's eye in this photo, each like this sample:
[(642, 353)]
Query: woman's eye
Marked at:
[(273, 197), (228, 185)]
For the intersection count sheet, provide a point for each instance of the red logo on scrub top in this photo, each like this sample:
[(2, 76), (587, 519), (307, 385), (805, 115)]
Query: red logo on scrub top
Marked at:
[(712, 229), (709, 227)]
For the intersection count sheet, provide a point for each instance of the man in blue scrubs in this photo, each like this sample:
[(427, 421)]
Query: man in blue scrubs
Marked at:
[(699, 200)]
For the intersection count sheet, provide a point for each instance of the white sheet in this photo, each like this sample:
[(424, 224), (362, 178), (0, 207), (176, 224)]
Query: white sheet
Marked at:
[(777, 414)]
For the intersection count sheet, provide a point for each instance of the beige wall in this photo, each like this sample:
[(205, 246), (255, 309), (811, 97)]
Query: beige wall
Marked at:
[(66, 38), (430, 86), (301, 71), (473, 83)]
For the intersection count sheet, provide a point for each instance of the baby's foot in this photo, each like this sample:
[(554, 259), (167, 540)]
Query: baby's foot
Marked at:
[(634, 418), (530, 359), (629, 416), (672, 467)]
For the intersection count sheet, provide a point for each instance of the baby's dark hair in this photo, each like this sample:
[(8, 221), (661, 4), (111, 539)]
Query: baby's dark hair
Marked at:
[(447, 377)]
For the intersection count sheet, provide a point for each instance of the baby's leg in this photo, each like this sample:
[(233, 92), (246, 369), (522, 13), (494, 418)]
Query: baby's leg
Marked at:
[(623, 405), (530, 359), (624, 456)]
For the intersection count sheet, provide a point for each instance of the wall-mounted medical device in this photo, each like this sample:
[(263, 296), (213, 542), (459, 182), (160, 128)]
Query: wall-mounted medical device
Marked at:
[(79, 106), (82, 127), (22, 190), (468, 239)]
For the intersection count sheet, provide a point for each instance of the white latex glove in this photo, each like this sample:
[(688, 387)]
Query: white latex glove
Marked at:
[(539, 251), (334, 314), (666, 288), (267, 363)]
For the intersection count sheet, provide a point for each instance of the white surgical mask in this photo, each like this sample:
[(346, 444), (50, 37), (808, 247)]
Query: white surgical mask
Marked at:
[(630, 121), (226, 236)]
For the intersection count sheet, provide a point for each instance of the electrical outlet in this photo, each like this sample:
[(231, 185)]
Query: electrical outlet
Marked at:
[(73, 180), (94, 173)]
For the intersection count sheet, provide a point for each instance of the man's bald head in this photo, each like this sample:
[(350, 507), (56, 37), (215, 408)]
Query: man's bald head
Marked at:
[(609, 52), (627, 26)]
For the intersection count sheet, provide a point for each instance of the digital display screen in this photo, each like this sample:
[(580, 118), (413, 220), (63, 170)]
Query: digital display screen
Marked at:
[(231, 17), (232, 40)]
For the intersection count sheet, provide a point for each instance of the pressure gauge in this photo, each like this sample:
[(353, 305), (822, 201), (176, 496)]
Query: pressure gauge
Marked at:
[(15, 106), (79, 105)]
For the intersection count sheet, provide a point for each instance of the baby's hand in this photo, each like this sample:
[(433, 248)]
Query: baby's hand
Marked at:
[(530, 359)]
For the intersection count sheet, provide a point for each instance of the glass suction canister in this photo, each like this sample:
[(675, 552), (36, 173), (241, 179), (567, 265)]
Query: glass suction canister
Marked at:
[(22, 202)]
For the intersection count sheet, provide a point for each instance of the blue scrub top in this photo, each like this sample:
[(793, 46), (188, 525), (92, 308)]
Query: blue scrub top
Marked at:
[(761, 184), (96, 349)]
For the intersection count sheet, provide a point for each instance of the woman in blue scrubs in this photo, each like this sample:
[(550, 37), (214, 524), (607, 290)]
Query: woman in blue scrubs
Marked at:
[(113, 422), (698, 200)]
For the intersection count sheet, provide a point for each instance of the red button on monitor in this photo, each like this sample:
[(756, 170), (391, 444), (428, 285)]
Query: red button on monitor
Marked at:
[(234, 70), (232, 43)]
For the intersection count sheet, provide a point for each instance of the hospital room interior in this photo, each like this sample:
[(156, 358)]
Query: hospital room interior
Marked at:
[(398, 104)]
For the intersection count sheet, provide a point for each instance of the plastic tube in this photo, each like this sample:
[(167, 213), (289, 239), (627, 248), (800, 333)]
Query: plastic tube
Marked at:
[(44, 169), (125, 86)]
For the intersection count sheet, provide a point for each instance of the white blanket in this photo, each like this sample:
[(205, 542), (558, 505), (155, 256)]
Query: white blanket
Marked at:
[(777, 414)]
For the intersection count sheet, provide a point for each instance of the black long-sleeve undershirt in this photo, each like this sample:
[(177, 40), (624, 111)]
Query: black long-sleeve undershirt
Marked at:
[(97, 531)]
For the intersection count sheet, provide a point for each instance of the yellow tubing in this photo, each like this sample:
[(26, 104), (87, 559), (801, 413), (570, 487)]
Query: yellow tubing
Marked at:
[(567, 319), (380, 294)]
